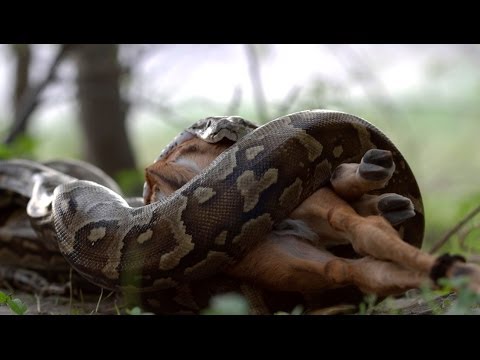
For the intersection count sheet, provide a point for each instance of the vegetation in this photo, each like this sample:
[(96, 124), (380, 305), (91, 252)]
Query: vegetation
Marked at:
[(434, 124), (14, 304)]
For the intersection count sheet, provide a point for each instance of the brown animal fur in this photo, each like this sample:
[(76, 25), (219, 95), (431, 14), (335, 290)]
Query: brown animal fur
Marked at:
[(288, 262)]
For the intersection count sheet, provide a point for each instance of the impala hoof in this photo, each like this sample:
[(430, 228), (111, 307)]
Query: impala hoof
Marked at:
[(376, 165), (396, 208)]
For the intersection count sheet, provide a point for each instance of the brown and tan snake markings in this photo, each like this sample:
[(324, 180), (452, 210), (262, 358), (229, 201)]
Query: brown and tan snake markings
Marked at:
[(251, 188), (223, 212), (291, 193), (204, 194), (252, 152)]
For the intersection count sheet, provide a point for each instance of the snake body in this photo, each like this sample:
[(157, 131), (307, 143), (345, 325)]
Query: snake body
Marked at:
[(213, 220)]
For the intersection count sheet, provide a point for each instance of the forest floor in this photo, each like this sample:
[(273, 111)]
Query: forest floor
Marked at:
[(412, 303), (62, 305)]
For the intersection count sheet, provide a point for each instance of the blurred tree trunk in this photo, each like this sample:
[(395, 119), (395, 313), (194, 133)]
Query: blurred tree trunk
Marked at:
[(256, 80), (26, 96), (23, 57), (102, 111)]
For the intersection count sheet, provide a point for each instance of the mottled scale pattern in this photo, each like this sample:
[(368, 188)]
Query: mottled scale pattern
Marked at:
[(219, 215)]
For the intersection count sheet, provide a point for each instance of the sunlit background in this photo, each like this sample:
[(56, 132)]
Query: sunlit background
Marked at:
[(424, 97)]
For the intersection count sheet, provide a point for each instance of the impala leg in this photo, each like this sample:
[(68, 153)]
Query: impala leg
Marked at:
[(287, 263), (352, 182), (393, 207), (371, 235), (374, 236)]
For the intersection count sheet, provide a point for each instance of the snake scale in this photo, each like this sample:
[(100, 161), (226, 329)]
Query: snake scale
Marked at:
[(214, 219)]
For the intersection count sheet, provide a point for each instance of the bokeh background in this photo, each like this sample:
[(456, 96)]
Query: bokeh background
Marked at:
[(117, 106)]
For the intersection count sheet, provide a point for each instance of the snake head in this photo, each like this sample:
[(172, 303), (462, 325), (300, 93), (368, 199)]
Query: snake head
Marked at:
[(216, 128)]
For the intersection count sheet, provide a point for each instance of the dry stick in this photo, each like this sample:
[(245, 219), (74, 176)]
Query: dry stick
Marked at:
[(290, 99), (70, 288), (360, 69), (23, 56), (30, 99), (256, 79), (462, 237), (456, 228), (39, 307), (235, 101), (152, 105), (99, 300)]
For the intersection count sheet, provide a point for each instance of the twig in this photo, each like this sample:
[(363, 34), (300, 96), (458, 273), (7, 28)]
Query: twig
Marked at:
[(23, 58), (70, 288), (30, 100), (39, 307), (152, 105), (474, 258), (361, 70), (234, 104), (99, 300), (254, 70), (290, 99), (455, 229), (116, 307)]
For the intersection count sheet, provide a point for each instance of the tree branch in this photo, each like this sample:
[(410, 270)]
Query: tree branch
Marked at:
[(290, 99), (235, 101), (30, 99), (454, 230), (254, 70)]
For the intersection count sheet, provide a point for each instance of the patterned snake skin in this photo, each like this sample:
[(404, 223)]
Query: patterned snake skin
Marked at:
[(214, 219)]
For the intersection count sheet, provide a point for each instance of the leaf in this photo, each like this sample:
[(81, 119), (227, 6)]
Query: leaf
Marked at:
[(134, 311), (227, 304), (17, 306), (23, 146), (138, 311), (3, 297)]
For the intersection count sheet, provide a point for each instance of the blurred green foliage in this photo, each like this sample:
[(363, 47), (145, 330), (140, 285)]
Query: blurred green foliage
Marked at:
[(435, 125), (131, 182), (236, 304), (16, 305), (434, 301), (227, 304), (24, 147)]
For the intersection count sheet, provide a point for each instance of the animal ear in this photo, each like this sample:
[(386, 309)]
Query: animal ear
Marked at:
[(152, 179)]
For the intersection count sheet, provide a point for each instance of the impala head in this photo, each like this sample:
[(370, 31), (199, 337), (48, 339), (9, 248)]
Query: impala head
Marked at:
[(191, 152)]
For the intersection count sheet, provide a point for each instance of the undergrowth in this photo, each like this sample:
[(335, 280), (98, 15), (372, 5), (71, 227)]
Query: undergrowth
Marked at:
[(16, 305)]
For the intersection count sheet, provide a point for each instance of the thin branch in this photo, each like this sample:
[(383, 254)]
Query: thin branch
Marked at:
[(30, 100), (473, 258), (361, 70), (235, 101), (99, 300), (290, 99), (156, 107), (23, 56), (256, 79), (454, 230), (70, 288), (463, 235)]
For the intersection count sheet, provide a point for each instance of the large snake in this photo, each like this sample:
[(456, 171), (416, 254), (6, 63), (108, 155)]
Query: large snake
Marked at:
[(214, 219)]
